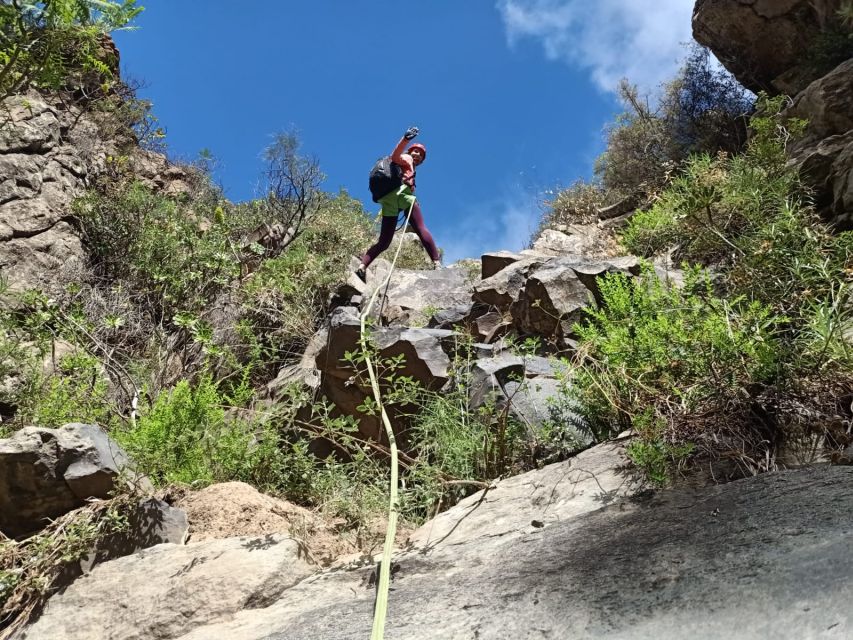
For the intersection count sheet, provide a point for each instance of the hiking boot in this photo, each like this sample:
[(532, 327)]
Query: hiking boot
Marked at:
[(362, 274)]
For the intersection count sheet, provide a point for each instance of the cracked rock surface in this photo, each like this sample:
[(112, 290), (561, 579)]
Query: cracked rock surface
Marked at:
[(579, 549), (47, 158)]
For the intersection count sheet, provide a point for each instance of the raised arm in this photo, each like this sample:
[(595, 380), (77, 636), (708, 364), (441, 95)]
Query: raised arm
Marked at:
[(404, 159)]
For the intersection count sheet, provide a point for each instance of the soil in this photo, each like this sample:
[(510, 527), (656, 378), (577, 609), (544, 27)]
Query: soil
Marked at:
[(232, 509)]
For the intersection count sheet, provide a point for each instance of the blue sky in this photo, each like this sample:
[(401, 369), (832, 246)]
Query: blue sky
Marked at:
[(511, 96)]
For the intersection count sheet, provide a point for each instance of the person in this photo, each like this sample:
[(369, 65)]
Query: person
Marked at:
[(401, 197)]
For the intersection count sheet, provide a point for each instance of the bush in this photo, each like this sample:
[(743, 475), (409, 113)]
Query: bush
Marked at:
[(174, 255), (655, 358), (747, 217), (289, 295), (189, 437), (77, 392), (728, 370), (703, 110), (577, 204)]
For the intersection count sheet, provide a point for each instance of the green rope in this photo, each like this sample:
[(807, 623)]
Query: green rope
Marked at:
[(380, 609)]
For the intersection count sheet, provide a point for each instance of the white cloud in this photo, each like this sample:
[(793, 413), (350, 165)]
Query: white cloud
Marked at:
[(507, 224), (636, 39)]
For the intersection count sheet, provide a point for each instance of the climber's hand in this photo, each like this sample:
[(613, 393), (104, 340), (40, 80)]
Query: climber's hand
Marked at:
[(411, 132)]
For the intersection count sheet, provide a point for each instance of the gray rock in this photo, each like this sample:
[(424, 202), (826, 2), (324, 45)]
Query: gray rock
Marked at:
[(423, 351), (420, 294), (576, 240), (618, 209), (576, 552), (494, 261), (530, 386), (489, 326), (589, 272), (153, 522), (552, 299), (541, 405), (451, 318), (29, 126), (168, 590), (502, 289), (41, 172), (824, 155), (45, 473)]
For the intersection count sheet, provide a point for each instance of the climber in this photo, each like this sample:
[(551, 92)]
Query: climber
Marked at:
[(392, 184)]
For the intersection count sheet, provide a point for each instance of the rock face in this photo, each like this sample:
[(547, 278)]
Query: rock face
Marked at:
[(414, 296), (421, 349), (765, 43), (771, 45), (576, 550), (168, 590), (47, 156), (45, 473), (824, 155)]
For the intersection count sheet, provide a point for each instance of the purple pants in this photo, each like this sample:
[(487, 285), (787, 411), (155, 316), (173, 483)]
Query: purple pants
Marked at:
[(389, 225)]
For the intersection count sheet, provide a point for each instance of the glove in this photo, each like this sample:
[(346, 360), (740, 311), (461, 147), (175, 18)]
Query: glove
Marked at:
[(411, 132)]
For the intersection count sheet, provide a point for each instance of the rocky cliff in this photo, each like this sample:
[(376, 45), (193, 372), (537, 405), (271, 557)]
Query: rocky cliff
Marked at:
[(785, 47)]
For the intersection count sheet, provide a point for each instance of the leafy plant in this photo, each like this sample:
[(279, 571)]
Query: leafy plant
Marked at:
[(652, 357), (45, 44)]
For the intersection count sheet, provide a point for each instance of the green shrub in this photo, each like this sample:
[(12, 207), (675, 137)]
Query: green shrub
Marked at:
[(188, 437), (288, 295), (712, 208), (655, 356), (174, 255), (77, 392)]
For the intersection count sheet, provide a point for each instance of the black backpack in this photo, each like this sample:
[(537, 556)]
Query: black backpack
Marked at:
[(385, 177)]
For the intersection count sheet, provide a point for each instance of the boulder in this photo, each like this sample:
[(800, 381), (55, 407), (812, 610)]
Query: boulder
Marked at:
[(168, 590), (765, 43), (589, 272), (152, 522), (578, 240), (619, 209), (494, 261), (824, 155), (531, 387), (556, 243), (451, 318), (502, 288), (420, 294), (558, 289), (490, 326), (45, 473), (540, 404), (551, 301), (423, 352)]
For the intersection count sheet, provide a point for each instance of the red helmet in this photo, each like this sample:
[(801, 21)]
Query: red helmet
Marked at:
[(418, 145)]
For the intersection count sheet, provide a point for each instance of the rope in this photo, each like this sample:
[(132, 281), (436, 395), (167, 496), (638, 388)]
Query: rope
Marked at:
[(380, 609)]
